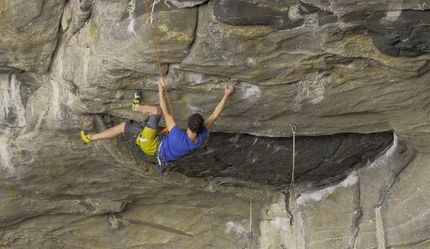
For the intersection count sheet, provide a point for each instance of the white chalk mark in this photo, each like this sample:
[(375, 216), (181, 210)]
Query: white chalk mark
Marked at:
[(55, 99), (391, 16), (380, 234), (281, 223), (319, 195), (130, 27), (5, 157), (251, 91), (235, 228)]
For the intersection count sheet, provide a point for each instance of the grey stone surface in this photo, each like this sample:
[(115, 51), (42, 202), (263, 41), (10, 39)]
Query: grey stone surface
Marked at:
[(29, 32), (269, 160), (352, 75)]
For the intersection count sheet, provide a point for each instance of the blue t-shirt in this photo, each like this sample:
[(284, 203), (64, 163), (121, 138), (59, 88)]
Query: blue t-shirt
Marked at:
[(177, 144)]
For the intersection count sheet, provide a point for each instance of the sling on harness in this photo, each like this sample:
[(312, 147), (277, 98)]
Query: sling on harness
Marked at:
[(161, 166)]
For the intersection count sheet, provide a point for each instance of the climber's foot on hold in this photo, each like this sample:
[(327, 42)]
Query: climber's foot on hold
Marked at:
[(85, 137), (137, 99)]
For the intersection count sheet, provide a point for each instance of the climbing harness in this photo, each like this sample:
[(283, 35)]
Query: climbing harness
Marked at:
[(149, 22), (250, 212), (293, 129)]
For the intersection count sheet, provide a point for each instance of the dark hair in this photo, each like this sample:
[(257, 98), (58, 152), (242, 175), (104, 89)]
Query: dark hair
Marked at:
[(196, 123)]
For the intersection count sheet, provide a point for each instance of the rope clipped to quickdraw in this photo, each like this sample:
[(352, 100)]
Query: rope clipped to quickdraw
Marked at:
[(149, 21), (293, 129), (250, 212)]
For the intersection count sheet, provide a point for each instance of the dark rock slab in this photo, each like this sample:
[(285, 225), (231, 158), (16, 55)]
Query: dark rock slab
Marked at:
[(269, 160), (405, 33)]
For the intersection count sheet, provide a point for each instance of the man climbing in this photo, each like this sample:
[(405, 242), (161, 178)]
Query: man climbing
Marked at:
[(177, 143)]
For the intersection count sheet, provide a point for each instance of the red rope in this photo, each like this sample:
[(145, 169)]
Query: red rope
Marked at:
[(149, 15)]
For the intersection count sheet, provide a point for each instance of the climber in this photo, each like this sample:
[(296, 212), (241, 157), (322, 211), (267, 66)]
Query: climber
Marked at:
[(177, 143)]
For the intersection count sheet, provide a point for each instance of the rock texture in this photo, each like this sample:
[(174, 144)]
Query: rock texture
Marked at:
[(351, 76)]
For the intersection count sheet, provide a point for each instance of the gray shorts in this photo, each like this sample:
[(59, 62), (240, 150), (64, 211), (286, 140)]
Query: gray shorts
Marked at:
[(153, 121), (131, 131)]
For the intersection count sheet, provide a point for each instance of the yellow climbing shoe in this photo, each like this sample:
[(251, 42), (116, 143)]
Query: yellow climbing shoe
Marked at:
[(137, 99), (84, 137)]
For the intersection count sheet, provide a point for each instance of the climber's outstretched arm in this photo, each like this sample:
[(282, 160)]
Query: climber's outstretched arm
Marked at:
[(220, 107), (168, 118)]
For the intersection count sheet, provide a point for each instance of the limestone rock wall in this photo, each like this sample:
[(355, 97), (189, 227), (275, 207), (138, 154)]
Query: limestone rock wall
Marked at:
[(347, 73)]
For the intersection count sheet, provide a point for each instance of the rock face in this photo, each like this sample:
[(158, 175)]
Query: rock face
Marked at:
[(343, 85)]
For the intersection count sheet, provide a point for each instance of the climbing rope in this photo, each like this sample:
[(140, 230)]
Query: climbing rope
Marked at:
[(250, 212), (149, 21), (293, 129)]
